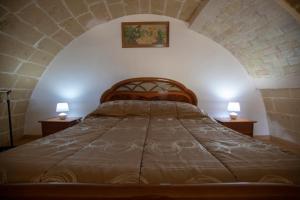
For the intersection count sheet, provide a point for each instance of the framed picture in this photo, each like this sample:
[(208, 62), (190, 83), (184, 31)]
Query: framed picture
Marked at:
[(145, 34)]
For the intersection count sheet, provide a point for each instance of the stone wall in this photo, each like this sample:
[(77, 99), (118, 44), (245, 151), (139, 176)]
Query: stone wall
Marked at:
[(266, 40), (261, 34), (283, 110), (33, 32)]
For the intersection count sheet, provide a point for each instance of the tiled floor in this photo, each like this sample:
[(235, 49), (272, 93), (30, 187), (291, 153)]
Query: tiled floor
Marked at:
[(26, 139), (23, 140)]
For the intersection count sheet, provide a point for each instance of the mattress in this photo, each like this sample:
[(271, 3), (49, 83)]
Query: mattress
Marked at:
[(148, 142)]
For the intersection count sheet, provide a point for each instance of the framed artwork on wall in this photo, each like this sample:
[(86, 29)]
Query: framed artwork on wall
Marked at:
[(145, 34)]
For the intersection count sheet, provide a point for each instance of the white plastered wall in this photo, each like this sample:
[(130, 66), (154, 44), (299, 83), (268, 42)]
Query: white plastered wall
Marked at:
[(94, 61)]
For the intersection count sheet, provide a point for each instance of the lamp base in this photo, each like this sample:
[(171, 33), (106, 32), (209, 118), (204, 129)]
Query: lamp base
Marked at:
[(62, 116), (233, 115)]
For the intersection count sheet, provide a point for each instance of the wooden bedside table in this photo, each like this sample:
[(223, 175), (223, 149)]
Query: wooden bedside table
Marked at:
[(241, 125), (55, 124)]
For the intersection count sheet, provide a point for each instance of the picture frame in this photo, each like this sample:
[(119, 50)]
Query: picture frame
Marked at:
[(145, 34)]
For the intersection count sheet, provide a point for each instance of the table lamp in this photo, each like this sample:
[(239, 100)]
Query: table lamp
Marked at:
[(61, 108), (233, 108)]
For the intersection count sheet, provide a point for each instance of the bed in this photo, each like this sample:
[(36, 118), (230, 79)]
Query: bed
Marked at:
[(148, 140)]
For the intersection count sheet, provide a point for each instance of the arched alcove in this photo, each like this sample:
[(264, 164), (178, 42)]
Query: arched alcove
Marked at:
[(95, 60), (262, 35)]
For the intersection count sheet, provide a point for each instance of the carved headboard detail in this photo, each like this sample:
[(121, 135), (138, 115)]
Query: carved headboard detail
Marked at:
[(149, 88)]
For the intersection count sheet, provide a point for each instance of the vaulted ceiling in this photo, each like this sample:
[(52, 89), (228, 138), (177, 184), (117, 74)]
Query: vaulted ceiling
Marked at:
[(260, 33), (32, 32)]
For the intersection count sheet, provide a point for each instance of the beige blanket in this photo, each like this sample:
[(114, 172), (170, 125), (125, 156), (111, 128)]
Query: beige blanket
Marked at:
[(137, 142)]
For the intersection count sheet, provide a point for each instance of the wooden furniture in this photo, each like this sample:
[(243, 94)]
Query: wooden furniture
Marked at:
[(214, 191), (55, 124), (241, 125), (149, 88), (162, 89)]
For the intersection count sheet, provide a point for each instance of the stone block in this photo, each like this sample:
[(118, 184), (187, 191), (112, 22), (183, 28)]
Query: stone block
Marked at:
[(8, 64), (188, 8), (291, 69), (284, 121), (145, 6), (35, 16), (293, 60), (13, 5), (2, 12), (287, 106), (100, 11), (269, 104), (49, 46), (91, 2), (295, 93), (117, 10), (173, 7), (296, 124), (275, 93), (157, 6), (55, 9), (77, 7), (4, 125), (7, 80), (3, 106), (157, 12), (20, 94), (14, 27), (14, 48), (31, 69), (297, 51), (73, 27), (62, 37), (131, 6), (41, 58), (4, 141), (20, 107), (286, 45), (26, 82), (88, 21), (114, 1), (18, 121)]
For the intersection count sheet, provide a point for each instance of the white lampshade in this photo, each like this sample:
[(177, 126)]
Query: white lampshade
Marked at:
[(233, 107), (62, 107)]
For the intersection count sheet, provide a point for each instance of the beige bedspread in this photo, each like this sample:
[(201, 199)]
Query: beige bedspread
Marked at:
[(138, 142)]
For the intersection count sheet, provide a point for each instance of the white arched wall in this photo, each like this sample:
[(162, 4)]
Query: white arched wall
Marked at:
[(94, 61)]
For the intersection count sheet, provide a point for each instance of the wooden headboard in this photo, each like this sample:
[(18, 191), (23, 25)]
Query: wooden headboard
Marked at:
[(149, 88)]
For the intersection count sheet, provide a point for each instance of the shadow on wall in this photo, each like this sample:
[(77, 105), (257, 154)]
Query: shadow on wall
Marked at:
[(95, 61)]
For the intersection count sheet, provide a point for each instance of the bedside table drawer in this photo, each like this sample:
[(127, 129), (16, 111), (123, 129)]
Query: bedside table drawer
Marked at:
[(245, 128), (54, 125), (48, 128)]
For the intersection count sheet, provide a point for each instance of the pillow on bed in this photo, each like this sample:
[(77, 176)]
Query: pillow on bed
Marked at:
[(121, 108), (136, 107), (163, 109), (110, 108), (186, 110)]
